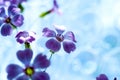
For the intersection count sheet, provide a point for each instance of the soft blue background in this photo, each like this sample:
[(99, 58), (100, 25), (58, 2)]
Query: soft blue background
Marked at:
[(96, 24)]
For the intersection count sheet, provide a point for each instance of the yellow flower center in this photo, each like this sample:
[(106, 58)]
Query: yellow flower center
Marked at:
[(29, 71)]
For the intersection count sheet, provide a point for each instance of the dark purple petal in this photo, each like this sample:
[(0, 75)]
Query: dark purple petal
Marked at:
[(70, 36), (69, 46), (2, 12), (41, 76), (48, 33), (13, 71), (13, 10), (53, 45), (102, 77), (41, 61), (6, 30), (31, 39), (24, 77), (20, 40), (55, 4), (18, 20), (25, 56)]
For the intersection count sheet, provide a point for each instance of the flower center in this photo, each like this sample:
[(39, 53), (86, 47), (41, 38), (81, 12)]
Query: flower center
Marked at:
[(8, 20), (59, 37), (29, 71)]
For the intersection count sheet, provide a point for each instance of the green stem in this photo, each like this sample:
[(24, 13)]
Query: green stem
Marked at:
[(43, 14), (27, 45), (50, 57), (13, 26)]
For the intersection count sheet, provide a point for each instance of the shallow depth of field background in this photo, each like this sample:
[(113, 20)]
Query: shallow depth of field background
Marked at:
[(96, 24)]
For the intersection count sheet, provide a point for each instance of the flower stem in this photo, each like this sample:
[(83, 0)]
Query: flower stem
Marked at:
[(50, 57), (27, 45)]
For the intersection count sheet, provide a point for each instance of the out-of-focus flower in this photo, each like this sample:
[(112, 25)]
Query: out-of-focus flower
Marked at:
[(54, 44), (55, 8), (10, 21), (102, 77), (29, 71), (25, 37), (18, 3)]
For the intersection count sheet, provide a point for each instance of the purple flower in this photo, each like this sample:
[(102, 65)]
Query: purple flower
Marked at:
[(102, 77), (54, 44), (29, 71), (10, 21), (25, 37), (15, 2), (55, 8)]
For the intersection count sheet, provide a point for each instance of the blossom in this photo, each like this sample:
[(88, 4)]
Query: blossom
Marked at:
[(29, 70), (25, 37), (10, 21), (54, 44), (55, 8), (102, 77), (16, 2)]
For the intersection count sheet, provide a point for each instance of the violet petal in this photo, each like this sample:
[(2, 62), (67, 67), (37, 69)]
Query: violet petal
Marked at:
[(69, 46), (17, 20), (40, 76), (102, 77), (25, 56), (2, 12), (48, 33), (53, 45), (6, 30), (41, 61), (13, 71), (70, 36), (13, 10), (23, 77)]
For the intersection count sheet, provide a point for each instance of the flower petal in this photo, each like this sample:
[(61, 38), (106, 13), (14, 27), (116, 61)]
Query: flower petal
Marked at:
[(53, 45), (17, 20), (69, 46), (70, 36), (13, 71), (24, 77), (102, 77), (59, 29), (41, 61), (25, 56), (6, 30), (41, 76), (1, 22), (13, 10), (2, 12), (48, 33)]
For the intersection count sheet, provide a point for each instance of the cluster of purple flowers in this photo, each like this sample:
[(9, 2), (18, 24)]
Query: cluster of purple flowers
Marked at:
[(10, 19)]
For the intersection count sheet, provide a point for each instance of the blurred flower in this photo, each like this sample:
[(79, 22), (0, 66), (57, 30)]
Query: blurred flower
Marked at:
[(18, 3), (55, 8), (115, 78), (102, 77), (54, 43), (25, 37), (29, 72), (10, 21)]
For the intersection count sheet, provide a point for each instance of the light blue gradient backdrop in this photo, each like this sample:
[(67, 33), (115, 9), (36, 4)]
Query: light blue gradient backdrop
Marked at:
[(96, 24)]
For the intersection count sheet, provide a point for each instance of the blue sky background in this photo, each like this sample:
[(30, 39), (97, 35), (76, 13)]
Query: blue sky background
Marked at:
[(96, 24)]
